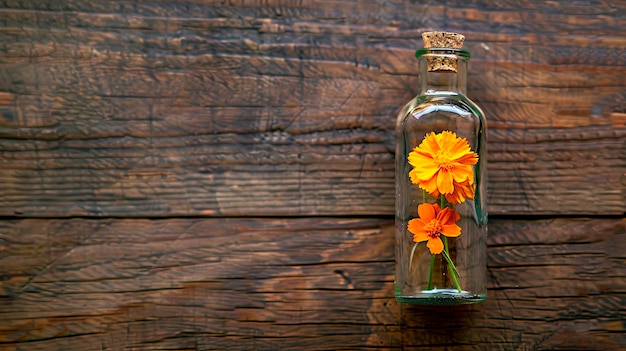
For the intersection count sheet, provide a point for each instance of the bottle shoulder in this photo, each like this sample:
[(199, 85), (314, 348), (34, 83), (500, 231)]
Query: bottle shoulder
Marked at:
[(451, 103)]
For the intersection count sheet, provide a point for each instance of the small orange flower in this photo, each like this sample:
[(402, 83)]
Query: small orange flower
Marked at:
[(442, 164), (432, 223)]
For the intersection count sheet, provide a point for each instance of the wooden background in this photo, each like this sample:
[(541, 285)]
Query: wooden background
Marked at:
[(218, 175)]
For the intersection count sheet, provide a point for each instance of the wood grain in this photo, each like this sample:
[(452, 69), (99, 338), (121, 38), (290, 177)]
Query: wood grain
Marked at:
[(287, 108), (307, 283)]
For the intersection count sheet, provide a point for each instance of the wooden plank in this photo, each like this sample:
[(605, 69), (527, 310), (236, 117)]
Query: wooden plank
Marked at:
[(301, 283), (198, 108)]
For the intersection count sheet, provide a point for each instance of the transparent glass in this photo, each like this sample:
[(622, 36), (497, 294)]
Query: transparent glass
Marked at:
[(458, 274)]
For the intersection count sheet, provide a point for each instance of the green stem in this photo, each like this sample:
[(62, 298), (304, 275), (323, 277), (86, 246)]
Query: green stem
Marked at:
[(430, 276), (453, 272), (442, 200), (423, 196)]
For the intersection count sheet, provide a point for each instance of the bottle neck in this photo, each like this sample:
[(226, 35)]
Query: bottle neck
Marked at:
[(435, 78)]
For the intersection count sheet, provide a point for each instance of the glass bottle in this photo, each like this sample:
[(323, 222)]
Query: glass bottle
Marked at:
[(441, 210)]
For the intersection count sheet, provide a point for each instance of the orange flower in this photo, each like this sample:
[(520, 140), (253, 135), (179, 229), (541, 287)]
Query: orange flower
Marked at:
[(432, 223), (442, 164)]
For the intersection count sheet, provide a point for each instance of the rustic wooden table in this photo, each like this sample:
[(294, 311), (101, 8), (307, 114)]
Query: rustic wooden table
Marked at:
[(218, 175)]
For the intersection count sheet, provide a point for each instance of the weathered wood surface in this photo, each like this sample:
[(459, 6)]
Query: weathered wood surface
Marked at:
[(118, 108), (305, 284)]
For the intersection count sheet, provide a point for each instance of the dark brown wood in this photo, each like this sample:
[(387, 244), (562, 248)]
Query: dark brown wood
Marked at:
[(281, 108), (150, 118), (307, 284)]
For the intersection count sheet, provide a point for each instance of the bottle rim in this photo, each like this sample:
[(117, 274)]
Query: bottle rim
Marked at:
[(442, 51)]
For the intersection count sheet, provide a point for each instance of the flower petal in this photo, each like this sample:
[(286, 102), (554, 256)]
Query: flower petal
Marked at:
[(428, 171), (437, 209), (430, 143), (446, 216), (444, 182), (459, 148), (418, 157), (426, 212), (414, 176), (471, 158), (430, 185), (455, 198), (461, 173), (416, 225), (418, 238), (457, 216), (435, 245), (451, 230), (462, 191)]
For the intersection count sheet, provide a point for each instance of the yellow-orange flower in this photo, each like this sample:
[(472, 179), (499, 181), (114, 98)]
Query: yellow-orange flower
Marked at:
[(442, 164), (432, 223)]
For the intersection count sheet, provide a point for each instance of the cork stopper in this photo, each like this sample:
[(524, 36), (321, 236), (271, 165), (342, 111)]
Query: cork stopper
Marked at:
[(442, 40)]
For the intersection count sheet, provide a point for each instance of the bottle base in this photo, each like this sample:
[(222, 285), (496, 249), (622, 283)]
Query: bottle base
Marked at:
[(441, 297)]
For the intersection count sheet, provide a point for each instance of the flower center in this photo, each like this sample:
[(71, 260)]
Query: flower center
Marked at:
[(443, 159), (433, 228)]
